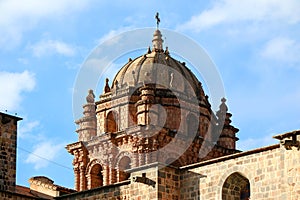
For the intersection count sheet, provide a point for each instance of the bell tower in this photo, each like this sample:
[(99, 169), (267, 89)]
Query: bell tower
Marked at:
[(155, 111)]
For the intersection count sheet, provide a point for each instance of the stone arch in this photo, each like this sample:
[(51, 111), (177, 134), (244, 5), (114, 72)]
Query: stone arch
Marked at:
[(123, 163), (236, 186), (95, 174), (111, 122), (241, 170)]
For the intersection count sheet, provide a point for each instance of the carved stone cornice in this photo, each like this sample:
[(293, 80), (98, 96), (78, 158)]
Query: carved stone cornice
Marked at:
[(75, 146)]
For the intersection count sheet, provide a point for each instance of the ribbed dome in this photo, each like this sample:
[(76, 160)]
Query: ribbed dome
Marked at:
[(157, 66)]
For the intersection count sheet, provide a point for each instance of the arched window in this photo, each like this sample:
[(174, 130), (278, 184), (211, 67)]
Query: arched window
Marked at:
[(124, 165), (96, 176), (236, 186), (111, 122), (192, 125)]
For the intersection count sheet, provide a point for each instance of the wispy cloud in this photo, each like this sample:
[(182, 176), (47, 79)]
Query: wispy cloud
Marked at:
[(111, 37), (282, 49), (253, 143), (17, 17), (27, 128), (233, 11), (50, 47), (43, 153), (13, 85)]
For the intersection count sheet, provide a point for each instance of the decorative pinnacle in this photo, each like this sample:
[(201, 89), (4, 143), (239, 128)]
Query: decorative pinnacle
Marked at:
[(157, 41), (90, 97), (106, 88), (223, 106)]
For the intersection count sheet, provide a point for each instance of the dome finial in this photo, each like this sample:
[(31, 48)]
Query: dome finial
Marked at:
[(157, 40)]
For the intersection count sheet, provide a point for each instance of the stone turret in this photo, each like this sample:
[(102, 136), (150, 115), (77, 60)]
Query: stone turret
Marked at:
[(88, 123)]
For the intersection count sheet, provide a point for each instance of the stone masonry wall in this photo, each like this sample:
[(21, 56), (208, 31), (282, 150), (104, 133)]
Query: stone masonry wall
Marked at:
[(168, 183), (8, 141), (273, 173), (154, 182), (128, 189), (5, 195)]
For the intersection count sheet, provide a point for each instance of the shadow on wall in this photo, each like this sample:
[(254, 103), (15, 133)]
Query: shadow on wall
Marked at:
[(190, 185)]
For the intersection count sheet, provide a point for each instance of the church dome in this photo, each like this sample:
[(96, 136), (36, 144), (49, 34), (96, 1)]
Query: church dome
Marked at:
[(157, 66)]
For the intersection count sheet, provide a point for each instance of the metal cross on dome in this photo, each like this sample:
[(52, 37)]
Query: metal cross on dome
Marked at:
[(157, 20)]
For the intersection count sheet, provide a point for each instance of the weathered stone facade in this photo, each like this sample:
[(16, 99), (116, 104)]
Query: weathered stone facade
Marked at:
[(8, 145), (155, 101), (270, 172), (121, 136)]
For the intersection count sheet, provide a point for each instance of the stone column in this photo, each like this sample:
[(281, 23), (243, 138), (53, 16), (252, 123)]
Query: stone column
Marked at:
[(105, 174), (112, 175), (147, 157), (141, 156), (135, 159), (77, 178), (82, 179)]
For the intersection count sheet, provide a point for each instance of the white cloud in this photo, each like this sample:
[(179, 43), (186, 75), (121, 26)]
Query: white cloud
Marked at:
[(25, 128), (44, 153), (253, 143), (110, 38), (50, 47), (231, 11), (20, 16), (13, 85), (282, 49)]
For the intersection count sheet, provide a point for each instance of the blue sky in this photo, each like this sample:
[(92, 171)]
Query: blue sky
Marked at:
[(255, 45)]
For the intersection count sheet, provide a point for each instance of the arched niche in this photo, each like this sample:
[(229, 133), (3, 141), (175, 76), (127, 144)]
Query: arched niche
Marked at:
[(96, 176), (124, 164), (111, 122), (236, 186)]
